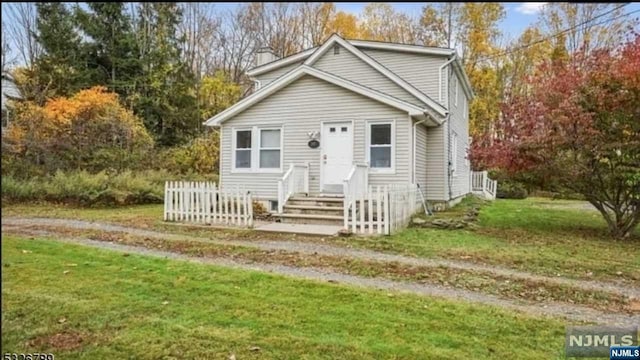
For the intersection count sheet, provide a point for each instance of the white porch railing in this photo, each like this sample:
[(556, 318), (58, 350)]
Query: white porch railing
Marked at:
[(481, 184), (354, 187), (295, 180), (202, 202)]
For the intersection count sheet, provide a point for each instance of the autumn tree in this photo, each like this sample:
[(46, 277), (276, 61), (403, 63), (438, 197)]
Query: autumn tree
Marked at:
[(90, 130), (345, 25), (381, 22), (577, 129), (584, 26)]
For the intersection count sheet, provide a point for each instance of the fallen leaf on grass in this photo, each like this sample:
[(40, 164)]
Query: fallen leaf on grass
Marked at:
[(165, 303), (65, 272), (254, 348), (62, 320), (27, 251)]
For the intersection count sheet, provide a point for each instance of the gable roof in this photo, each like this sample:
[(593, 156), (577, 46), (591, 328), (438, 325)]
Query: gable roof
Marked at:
[(302, 70), (301, 56), (335, 39), (379, 45)]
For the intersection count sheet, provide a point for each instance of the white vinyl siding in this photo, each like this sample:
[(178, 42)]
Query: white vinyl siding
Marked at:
[(454, 153), (266, 78), (419, 70), (348, 66), (459, 123), (301, 107), (436, 188), (456, 85), (421, 156)]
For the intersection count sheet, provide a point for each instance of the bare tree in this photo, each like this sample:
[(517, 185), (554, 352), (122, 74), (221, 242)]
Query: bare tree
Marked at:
[(315, 21), (21, 31), (237, 39), (606, 29), (200, 29), (8, 58)]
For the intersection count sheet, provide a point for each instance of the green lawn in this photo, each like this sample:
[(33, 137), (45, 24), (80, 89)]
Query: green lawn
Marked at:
[(539, 235), (79, 302)]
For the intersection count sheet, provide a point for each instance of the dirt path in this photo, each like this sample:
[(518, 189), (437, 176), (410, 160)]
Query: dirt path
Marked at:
[(550, 309), (332, 250)]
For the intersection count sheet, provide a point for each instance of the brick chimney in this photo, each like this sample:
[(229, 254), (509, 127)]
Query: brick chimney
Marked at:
[(265, 55)]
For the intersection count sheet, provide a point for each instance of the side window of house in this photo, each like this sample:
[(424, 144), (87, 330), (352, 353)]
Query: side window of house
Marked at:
[(243, 149), (381, 145)]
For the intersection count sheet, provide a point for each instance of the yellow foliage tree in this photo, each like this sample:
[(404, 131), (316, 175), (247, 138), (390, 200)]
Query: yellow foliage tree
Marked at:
[(89, 130), (345, 25)]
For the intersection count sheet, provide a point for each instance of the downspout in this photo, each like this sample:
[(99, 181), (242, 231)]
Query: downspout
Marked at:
[(413, 178), (448, 121)]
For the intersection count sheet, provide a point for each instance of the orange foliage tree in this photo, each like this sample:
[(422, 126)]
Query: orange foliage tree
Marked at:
[(90, 130)]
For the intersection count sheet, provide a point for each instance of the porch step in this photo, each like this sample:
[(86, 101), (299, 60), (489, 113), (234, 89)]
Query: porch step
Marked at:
[(313, 209), (310, 219), (315, 201)]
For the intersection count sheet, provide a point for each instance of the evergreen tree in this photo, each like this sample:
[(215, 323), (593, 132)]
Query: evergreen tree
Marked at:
[(110, 51), (61, 70), (166, 100)]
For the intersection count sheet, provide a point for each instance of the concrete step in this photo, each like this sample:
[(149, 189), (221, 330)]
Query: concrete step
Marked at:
[(313, 210), (315, 201), (310, 219)]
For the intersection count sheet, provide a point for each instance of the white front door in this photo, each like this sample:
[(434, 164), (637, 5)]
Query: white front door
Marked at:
[(337, 154)]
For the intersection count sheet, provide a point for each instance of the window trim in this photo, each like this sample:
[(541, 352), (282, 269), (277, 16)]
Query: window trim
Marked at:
[(389, 170), (255, 149)]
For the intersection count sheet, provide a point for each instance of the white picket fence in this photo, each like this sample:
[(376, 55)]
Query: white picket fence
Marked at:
[(381, 209), (202, 202)]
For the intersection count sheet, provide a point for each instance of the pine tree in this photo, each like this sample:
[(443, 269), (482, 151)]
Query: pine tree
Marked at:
[(165, 100), (111, 48), (61, 70)]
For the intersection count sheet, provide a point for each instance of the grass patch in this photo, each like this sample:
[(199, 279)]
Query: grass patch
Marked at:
[(119, 306), (549, 237), (539, 235), (478, 281)]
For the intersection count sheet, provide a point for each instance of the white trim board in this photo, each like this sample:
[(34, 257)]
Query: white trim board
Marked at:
[(302, 70)]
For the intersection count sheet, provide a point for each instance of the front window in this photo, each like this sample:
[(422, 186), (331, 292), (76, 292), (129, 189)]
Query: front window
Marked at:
[(257, 149), (270, 149), (381, 145), (243, 149)]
